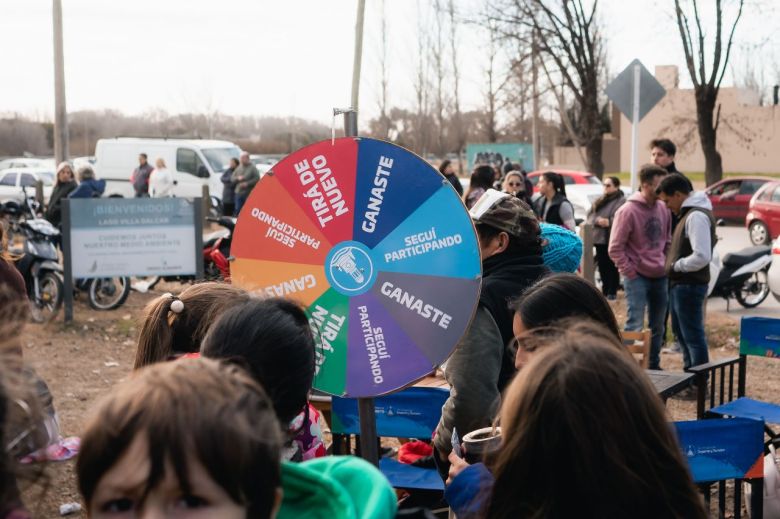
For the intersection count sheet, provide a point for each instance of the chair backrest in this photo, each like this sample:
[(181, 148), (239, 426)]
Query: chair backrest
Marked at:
[(638, 343), (411, 413), (759, 336), (722, 449)]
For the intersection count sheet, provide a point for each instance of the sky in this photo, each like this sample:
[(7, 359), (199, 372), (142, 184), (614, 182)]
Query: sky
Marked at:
[(280, 57)]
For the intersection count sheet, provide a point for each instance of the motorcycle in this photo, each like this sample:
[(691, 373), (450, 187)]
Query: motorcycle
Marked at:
[(43, 237), (742, 275), (40, 268), (216, 258)]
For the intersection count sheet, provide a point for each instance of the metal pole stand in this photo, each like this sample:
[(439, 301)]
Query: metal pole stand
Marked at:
[(369, 447)]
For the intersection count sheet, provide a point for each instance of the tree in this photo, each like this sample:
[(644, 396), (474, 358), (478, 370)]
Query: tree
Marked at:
[(706, 85), (570, 47)]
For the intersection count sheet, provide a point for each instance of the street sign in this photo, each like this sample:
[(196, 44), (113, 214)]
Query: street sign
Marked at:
[(621, 90), (635, 92), (377, 246)]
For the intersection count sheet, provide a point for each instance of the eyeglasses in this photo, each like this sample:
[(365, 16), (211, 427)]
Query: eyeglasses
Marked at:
[(515, 184)]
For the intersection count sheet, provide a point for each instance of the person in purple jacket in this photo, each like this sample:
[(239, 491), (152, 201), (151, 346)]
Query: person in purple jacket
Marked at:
[(641, 235)]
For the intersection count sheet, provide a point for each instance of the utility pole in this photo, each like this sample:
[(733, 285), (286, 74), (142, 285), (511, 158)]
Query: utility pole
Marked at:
[(61, 151), (361, 10), (534, 101)]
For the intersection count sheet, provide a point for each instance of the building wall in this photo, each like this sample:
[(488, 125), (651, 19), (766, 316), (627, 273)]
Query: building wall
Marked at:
[(567, 157), (748, 135)]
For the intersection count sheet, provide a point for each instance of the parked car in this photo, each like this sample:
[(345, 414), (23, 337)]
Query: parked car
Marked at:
[(27, 162), (570, 177), (582, 189), (731, 196), (13, 179), (763, 217)]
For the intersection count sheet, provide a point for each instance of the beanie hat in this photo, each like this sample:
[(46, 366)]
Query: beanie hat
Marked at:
[(502, 211), (561, 248)]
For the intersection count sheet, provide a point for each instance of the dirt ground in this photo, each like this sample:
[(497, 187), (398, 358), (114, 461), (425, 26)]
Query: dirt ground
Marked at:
[(82, 361)]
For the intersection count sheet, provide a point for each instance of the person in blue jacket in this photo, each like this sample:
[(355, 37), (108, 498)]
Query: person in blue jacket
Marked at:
[(89, 186)]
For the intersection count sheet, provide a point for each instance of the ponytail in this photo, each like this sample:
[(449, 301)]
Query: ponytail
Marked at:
[(178, 324), (155, 344), (556, 179)]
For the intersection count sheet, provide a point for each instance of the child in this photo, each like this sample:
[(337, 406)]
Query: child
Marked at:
[(273, 339), (555, 301), (193, 438), (175, 325), (583, 435)]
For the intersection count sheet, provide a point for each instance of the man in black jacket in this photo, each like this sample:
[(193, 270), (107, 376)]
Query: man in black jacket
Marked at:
[(481, 366)]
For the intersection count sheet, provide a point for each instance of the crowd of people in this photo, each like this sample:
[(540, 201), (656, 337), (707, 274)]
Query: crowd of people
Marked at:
[(664, 272), (215, 419)]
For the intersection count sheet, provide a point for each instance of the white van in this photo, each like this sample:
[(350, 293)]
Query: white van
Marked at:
[(193, 163)]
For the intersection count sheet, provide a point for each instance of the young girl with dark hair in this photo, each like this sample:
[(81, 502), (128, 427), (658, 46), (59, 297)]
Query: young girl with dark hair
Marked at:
[(583, 434), (176, 325), (553, 206), (273, 338), (555, 298)]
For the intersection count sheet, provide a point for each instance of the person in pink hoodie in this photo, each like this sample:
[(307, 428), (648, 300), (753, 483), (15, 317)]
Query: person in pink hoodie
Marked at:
[(641, 235)]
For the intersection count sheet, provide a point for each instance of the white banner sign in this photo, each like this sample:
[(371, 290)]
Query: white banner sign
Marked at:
[(133, 237)]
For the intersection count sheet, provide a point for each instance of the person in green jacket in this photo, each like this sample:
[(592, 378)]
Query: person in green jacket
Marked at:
[(335, 487), (244, 177)]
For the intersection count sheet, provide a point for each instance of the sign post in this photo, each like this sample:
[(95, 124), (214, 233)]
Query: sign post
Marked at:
[(635, 92), (369, 448), (635, 123), (67, 262)]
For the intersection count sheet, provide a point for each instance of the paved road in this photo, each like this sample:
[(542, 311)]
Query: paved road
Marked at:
[(733, 238)]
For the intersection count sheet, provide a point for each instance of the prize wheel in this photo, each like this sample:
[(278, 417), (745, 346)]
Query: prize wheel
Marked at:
[(379, 249)]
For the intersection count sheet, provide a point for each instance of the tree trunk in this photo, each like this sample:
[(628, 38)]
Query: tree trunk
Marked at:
[(706, 98), (590, 123), (593, 150)]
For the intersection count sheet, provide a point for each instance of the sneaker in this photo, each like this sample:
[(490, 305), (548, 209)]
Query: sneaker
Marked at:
[(672, 348)]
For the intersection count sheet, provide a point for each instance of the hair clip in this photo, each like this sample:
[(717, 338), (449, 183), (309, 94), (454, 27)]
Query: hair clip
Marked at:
[(177, 306)]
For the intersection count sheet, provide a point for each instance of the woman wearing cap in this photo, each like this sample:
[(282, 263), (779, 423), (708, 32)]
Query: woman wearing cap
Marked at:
[(601, 216), (481, 367), (65, 185)]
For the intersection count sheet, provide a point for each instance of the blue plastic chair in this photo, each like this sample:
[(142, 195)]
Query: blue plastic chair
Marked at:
[(759, 336), (411, 413), (719, 450)]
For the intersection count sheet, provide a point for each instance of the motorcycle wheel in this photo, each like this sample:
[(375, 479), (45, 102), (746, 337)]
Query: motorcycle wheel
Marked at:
[(754, 290), (108, 293), (46, 307)]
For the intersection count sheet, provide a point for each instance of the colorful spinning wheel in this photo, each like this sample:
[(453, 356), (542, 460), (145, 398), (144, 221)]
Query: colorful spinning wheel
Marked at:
[(379, 248)]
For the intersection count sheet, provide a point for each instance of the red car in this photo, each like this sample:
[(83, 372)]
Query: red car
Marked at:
[(763, 217), (731, 196), (569, 177)]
